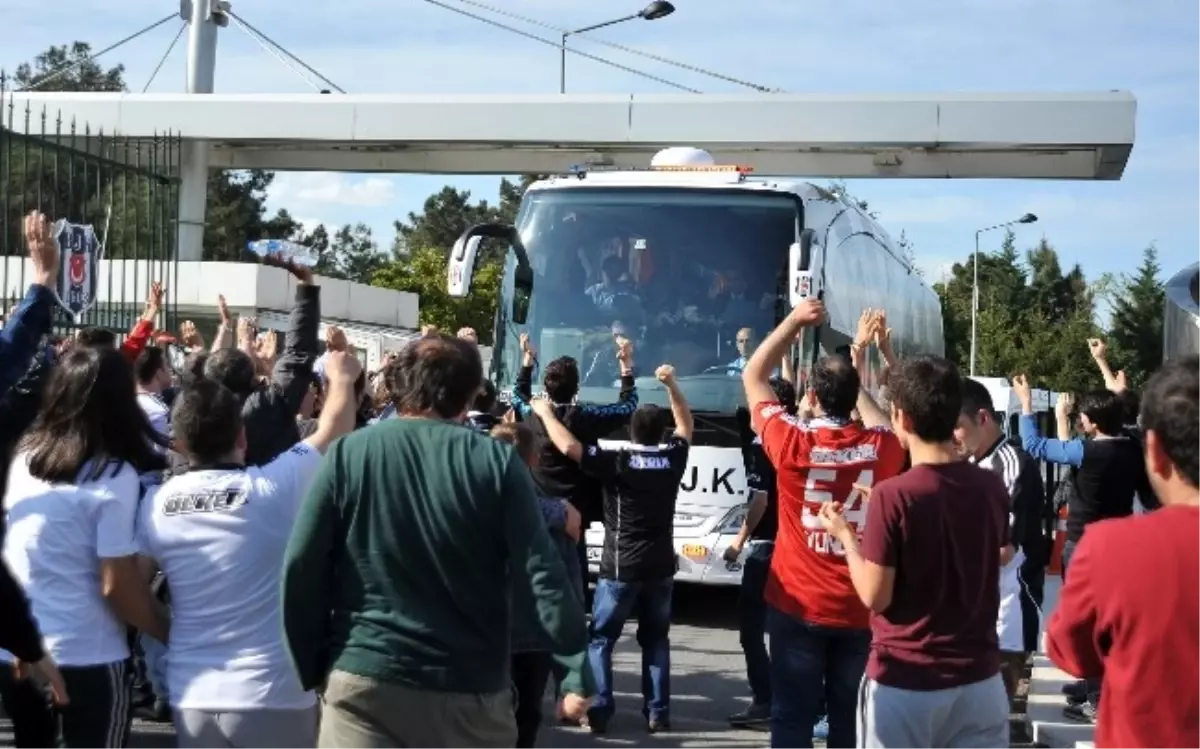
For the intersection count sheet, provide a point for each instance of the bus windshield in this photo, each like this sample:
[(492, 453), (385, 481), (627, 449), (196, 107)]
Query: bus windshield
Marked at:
[(694, 277)]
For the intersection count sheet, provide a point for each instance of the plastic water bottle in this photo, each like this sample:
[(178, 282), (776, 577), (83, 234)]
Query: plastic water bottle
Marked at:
[(297, 253)]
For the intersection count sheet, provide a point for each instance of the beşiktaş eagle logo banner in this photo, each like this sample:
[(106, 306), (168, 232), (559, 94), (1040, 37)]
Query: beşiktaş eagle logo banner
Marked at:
[(79, 251)]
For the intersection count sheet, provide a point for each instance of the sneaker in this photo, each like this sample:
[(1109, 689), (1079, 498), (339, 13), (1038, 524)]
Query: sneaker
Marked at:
[(756, 714), (1082, 713), (658, 725), (821, 729)]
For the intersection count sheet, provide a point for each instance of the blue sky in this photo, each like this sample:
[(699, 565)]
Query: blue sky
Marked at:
[(410, 46)]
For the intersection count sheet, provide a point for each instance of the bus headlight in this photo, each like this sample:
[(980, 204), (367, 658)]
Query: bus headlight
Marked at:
[(731, 524)]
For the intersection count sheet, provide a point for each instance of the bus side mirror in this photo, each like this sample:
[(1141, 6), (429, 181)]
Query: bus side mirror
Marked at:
[(801, 280), (522, 293), (462, 264)]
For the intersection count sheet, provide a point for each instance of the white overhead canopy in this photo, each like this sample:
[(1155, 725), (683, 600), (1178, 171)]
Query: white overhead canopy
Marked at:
[(1051, 136)]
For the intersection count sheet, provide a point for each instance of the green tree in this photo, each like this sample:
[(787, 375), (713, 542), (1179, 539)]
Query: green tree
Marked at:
[(85, 74), (355, 255), (1032, 320), (423, 272), (1001, 283), (1055, 295), (1136, 331), (443, 218)]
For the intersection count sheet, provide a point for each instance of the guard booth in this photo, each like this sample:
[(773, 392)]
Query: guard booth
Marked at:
[(125, 188), (1181, 314)]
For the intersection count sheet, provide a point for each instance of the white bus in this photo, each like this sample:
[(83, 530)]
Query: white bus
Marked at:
[(711, 251)]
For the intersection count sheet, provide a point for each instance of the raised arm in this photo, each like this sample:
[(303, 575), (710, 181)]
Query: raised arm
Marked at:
[(522, 395), (139, 336), (883, 340), (293, 369), (32, 318), (756, 377), (247, 337), (1114, 382), (1062, 416), (685, 425), (224, 336), (338, 413), (1063, 452), (869, 323)]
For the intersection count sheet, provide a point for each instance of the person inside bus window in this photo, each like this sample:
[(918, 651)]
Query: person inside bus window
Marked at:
[(745, 342), (615, 293), (593, 257)]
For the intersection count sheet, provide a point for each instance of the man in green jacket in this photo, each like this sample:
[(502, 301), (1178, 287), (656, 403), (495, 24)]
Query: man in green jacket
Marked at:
[(398, 574)]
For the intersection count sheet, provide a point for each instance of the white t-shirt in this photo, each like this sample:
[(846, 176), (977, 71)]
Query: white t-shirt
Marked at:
[(157, 414), (57, 535), (219, 536)]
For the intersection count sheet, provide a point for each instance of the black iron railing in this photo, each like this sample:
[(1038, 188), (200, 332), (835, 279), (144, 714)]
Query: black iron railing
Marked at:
[(126, 188)]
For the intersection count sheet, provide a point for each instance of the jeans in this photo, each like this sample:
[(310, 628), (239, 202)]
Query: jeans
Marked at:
[(613, 603), (752, 621), (810, 662)]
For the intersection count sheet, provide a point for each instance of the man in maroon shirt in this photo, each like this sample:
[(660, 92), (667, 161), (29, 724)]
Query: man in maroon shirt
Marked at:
[(1130, 610), (929, 568)]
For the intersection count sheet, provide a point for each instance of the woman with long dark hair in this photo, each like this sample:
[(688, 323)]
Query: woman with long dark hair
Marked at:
[(71, 503)]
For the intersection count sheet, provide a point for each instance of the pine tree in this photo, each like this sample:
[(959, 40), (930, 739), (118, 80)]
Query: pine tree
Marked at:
[(1137, 321)]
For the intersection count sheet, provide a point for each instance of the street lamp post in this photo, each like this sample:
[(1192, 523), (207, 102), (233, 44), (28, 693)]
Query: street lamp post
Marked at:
[(1028, 218), (652, 12)]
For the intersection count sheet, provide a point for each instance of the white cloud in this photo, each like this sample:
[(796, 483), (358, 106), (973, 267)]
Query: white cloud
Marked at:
[(325, 189)]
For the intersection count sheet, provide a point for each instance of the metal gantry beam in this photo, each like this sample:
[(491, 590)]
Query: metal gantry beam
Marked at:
[(1036, 135)]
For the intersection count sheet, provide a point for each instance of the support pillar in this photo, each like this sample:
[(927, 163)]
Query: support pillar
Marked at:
[(204, 18)]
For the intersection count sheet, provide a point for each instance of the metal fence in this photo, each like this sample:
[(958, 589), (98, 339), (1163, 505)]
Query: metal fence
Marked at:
[(69, 171)]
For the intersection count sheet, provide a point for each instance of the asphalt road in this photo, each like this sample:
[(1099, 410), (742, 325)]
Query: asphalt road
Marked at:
[(707, 684)]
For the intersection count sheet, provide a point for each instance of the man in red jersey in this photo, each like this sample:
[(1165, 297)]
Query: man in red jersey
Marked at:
[(818, 627), (1130, 609)]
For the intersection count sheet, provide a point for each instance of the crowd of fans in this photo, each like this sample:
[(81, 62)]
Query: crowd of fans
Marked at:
[(256, 549)]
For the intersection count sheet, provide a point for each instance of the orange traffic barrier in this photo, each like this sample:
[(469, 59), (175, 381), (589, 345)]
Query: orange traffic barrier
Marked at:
[(1060, 540)]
